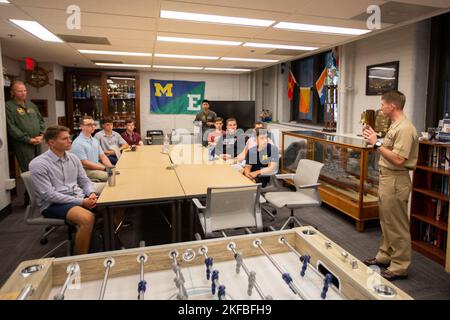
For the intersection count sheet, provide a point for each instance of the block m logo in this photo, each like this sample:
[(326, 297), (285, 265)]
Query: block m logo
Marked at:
[(166, 90)]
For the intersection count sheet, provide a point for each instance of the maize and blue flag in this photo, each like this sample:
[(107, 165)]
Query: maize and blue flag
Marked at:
[(320, 86), (176, 97)]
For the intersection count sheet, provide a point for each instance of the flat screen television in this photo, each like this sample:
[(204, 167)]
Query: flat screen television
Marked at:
[(243, 111)]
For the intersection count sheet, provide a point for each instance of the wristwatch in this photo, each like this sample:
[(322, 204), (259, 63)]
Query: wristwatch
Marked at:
[(377, 145)]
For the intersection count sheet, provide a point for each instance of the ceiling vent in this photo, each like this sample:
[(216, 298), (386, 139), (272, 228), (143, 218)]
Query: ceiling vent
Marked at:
[(106, 61), (84, 39), (285, 52)]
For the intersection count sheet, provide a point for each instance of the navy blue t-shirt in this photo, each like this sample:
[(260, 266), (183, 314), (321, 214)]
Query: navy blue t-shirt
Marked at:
[(261, 159)]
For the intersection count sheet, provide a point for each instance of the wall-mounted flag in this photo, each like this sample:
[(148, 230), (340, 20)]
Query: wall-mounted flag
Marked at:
[(176, 97), (291, 85), (320, 86)]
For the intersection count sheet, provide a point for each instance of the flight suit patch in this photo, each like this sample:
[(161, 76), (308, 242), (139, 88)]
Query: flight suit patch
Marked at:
[(20, 111)]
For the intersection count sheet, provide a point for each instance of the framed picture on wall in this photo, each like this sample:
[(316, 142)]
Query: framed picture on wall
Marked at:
[(382, 78), (42, 105)]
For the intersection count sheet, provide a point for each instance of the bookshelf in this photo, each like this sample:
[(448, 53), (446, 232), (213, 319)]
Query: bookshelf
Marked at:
[(430, 202)]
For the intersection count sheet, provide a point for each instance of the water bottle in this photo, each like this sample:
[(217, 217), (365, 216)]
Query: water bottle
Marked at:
[(166, 144)]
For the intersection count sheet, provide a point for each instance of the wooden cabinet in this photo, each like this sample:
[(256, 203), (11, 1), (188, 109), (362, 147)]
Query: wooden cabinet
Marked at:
[(430, 202), (349, 177), (99, 94)]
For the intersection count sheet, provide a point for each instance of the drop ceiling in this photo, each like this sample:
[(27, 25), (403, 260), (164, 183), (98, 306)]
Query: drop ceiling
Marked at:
[(133, 26)]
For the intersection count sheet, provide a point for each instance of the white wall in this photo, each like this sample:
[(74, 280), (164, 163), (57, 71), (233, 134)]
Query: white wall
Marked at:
[(217, 87), (269, 90), (5, 198), (410, 46), (55, 108)]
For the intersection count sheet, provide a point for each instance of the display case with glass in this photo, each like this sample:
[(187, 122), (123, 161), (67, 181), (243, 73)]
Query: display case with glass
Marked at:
[(349, 177), (121, 99), (100, 93)]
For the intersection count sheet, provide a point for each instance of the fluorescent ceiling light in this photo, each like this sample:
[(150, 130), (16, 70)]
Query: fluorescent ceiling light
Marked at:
[(248, 60), (4, 1), (214, 18), (36, 29), (116, 53), (278, 46), (228, 69), (320, 29), (184, 56), (123, 65), (199, 41), (177, 67)]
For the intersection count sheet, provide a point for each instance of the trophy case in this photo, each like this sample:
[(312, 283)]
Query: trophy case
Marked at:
[(102, 93), (349, 177)]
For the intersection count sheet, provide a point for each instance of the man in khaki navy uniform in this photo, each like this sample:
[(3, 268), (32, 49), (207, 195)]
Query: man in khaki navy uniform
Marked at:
[(25, 126), (398, 155)]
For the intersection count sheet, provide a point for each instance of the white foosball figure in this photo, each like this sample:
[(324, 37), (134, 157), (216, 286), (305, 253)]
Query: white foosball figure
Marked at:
[(294, 264)]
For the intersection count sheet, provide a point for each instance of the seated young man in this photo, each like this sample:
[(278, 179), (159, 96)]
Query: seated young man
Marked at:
[(251, 141), (214, 135), (111, 142), (262, 159), (88, 150), (231, 143), (63, 191), (130, 136)]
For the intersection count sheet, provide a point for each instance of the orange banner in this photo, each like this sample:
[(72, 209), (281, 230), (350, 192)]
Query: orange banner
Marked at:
[(305, 98)]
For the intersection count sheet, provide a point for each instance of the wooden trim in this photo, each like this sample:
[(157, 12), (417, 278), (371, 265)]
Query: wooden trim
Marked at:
[(299, 135)]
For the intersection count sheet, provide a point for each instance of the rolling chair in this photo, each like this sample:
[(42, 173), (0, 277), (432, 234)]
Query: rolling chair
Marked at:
[(34, 217), (306, 195), (230, 208)]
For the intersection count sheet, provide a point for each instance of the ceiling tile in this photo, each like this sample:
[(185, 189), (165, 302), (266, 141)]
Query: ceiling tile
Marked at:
[(58, 16), (284, 6), (138, 8)]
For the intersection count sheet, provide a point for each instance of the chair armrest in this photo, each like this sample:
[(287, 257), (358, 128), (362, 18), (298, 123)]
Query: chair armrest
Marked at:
[(198, 204), (285, 176), (309, 186)]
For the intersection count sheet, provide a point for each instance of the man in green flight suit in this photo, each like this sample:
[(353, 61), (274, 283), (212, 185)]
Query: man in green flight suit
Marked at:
[(25, 126)]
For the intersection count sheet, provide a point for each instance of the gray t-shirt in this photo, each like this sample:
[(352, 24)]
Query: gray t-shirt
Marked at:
[(111, 142)]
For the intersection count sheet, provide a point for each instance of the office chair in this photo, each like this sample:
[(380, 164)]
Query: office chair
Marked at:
[(305, 181), (230, 208), (34, 217), (154, 137)]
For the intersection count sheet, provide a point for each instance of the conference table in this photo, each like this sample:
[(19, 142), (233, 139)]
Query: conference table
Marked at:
[(149, 177)]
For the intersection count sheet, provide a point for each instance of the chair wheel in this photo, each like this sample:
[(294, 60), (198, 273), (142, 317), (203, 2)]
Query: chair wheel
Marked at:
[(43, 241)]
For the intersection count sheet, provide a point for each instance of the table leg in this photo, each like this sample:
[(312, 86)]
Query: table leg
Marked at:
[(174, 221), (191, 220), (179, 222)]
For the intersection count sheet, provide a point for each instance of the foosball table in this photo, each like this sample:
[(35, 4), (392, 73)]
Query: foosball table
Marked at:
[(300, 263)]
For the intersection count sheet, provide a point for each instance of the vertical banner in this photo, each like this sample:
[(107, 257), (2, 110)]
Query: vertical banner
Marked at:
[(176, 97), (305, 98)]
